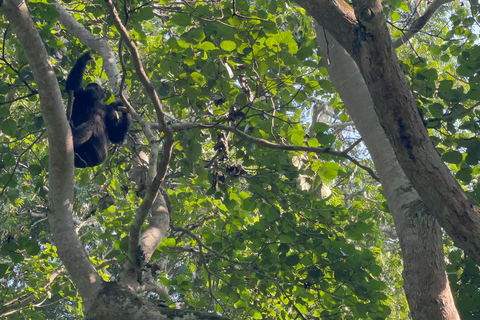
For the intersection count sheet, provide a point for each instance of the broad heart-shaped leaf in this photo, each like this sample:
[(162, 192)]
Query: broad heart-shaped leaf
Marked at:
[(194, 151), (465, 70), (35, 169), (181, 19), (297, 136), (33, 248), (17, 257), (198, 78), (228, 45), (4, 112), (9, 127), (357, 230), (207, 46), (144, 13), (473, 150), (436, 110), (445, 86), (465, 175), (453, 157), (292, 260), (304, 52), (170, 242), (195, 34), (473, 95), (330, 170), (431, 74)]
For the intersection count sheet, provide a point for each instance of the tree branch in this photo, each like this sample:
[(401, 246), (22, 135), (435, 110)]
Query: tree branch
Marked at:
[(163, 165), (272, 145), (418, 24), (100, 45), (60, 141)]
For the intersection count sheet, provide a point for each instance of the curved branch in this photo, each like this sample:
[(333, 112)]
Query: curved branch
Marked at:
[(100, 45), (137, 63), (418, 24), (163, 165), (272, 145)]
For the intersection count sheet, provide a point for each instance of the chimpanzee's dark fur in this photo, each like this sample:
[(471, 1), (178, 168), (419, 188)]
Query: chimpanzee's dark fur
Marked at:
[(93, 123)]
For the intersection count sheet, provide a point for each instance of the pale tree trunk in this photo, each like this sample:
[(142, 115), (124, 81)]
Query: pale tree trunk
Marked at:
[(425, 279), (363, 33), (101, 300)]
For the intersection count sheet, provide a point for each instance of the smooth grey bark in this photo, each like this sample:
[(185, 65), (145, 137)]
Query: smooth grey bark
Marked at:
[(69, 248), (363, 33), (101, 300), (159, 220), (100, 45), (425, 279)]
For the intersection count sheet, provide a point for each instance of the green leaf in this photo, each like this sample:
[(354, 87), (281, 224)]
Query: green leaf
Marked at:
[(255, 314), (171, 242), (144, 13), (292, 260), (207, 46), (3, 269), (330, 170), (272, 8), (376, 270), (454, 157), (4, 112), (436, 110), (273, 215), (283, 248), (181, 19), (313, 143), (16, 257), (35, 169), (194, 151), (228, 45), (304, 52), (320, 127), (357, 230), (9, 127), (297, 137), (395, 16), (315, 273), (198, 78), (8, 247), (473, 95), (32, 248), (430, 74), (124, 244), (464, 175)]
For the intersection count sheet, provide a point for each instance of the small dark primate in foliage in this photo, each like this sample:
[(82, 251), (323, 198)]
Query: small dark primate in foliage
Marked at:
[(93, 123)]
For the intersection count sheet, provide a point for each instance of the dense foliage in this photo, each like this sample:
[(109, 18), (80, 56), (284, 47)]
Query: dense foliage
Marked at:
[(262, 228)]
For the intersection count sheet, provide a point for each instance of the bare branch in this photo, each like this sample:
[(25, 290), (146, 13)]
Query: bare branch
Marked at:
[(272, 145), (152, 190), (418, 24)]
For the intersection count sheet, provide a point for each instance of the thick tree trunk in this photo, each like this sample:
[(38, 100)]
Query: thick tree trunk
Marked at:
[(116, 302), (102, 300), (425, 279), (70, 249), (365, 36)]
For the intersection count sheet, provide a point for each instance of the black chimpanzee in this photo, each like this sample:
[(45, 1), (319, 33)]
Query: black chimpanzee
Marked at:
[(93, 123)]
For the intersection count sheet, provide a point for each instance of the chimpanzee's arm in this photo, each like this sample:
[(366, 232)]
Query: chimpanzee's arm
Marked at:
[(117, 129), (74, 79), (82, 133)]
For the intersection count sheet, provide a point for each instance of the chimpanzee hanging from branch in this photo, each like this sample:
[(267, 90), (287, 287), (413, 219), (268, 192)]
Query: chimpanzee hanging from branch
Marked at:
[(93, 123)]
